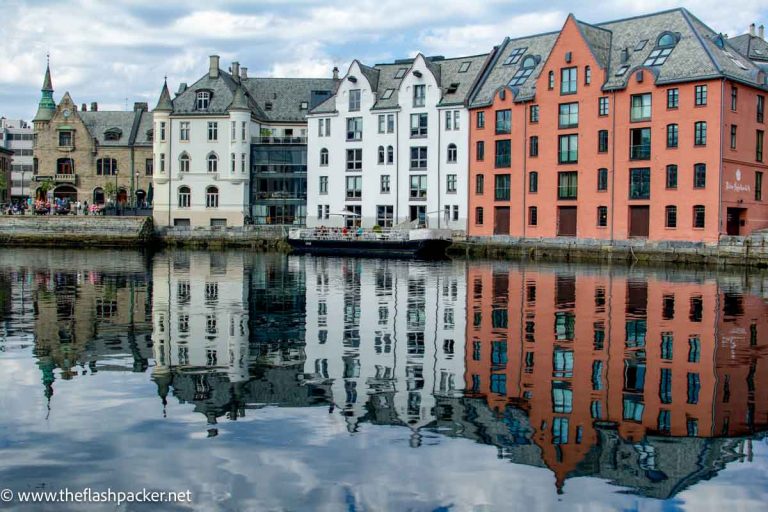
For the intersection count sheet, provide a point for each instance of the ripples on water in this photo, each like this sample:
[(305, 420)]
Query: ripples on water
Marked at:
[(264, 381)]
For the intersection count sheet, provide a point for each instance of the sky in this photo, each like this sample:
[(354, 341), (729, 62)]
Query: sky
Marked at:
[(117, 52)]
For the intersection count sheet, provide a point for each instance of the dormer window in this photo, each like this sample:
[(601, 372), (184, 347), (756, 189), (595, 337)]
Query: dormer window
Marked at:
[(150, 135), (525, 70), (515, 56), (452, 88), (113, 134), (664, 46), (203, 100)]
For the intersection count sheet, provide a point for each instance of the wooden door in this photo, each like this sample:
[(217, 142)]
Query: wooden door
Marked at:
[(733, 216), (566, 221), (501, 220), (639, 219)]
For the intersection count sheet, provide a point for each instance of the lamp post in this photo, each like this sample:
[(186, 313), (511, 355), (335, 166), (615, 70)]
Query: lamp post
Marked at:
[(116, 171), (135, 195)]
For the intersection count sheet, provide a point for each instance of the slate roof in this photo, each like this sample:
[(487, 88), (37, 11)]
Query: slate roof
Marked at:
[(98, 122), (750, 46)]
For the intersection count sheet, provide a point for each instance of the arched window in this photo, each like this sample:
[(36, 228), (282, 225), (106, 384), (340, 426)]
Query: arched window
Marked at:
[(390, 154), (529, 62), (664, 46), (587, 75), (666, 39), (551, 83), (323, 156), (98, 195), (184, 163), (150, 135), (203, 100), (381, 154), (185, 197), (452, 153), (106, 167), (212, 197), (213, 163), (65, 166)]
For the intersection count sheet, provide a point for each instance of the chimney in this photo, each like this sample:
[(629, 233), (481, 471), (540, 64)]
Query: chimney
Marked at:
[(83, 108), (140, 106), (243, 73), (94, 106), (335, 73), (752, 29), (761, 31), (213, 68), (235, 71)]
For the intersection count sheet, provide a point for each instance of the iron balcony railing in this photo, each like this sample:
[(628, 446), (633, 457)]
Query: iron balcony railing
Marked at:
[(640, 152), (278, 140)]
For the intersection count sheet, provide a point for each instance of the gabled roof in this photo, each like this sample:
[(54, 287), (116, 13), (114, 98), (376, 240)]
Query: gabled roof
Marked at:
[(599, 41), (128, 124), (450, 75), (752, 47)]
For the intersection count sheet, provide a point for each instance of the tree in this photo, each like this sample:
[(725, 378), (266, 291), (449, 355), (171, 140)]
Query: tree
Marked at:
[(110, 190), (44, 187), (3, 184)]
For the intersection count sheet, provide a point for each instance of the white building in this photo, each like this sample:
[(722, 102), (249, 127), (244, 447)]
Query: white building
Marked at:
[(392, 145), (18, 136), (208, 169), (386, 330)]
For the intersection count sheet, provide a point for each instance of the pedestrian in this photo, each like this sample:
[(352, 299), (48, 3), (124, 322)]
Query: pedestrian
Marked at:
[(77, 207), (85, 207)]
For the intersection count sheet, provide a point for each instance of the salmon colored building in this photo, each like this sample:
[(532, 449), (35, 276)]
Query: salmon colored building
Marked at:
[(580, 352), (650, 127)]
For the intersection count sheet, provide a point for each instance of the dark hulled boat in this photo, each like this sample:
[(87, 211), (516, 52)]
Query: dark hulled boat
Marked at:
[(420, 243)]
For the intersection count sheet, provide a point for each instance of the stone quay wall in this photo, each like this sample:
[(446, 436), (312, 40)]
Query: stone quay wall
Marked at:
[(75, 231)]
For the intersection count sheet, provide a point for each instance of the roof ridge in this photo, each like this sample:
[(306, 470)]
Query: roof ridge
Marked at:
[(687, 17), (640, 16)]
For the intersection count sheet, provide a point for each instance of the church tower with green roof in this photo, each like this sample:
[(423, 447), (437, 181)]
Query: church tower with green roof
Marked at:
[(47, 106)]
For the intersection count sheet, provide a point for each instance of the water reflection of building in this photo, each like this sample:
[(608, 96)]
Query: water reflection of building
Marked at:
[(598, 360), (387, 334)]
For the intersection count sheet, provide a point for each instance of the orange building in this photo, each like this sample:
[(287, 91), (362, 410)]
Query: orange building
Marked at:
[(585, 351), (649, 127)]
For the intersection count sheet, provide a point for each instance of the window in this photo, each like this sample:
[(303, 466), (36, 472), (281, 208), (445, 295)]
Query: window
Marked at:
[(242, 131), (452, 153), (354, 187), (551, 80), (390, 154), (354, 159), (480, 151), (418, 125), (67, 166), (184, 163), (242, 162), (323, 184), (381, 155), (602, 106), (694, 386), (479, 184), (184, 197), (480, 120), (567, 185), (162, 163), (104, 167), (162, 131), (419, 95), (451, 120), (503, 153), (384, 184), (568, 77), (602, 141), (760, 108), (354, 100), (602, 216), (534, 146), (149, 167), (323, 157), (384, 215), (587, 75), (418, 187), (533, 182), (534, 114), (569, 115), (450, 186), (390, 123), (65, 139), (700, 133), (113, 134), (515, 56), (479, 215), (401, 73), (694, 350), (233, 134), (419, 157), (184, 131), (212, 197), (734, 97), (733, 136), (324, 128), (672, 136), (640, 183), (698, 216), (640, 144), (673, 98), (213, 131), (382, 123), (213, 163), (203, 100), (354, 128), (758, 186), (671, 176), (503, 121), (699, 175), (501, 192), (759, 136), (602, 180), (523, 72), (533, 216), (234, 161), (670, 216), (701, 95), (568, 149), (641, 107), (660, 54)]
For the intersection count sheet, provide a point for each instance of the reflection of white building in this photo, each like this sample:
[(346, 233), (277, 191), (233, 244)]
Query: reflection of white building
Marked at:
[(200, 314), (386, 328)]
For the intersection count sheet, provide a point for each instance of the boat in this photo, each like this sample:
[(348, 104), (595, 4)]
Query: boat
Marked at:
[(419, 242)]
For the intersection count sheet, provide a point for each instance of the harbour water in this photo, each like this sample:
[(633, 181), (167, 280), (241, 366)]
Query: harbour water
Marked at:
[(274, 382)]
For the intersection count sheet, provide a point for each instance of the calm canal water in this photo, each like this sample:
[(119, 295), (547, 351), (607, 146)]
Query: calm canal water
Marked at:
[(273, 382)]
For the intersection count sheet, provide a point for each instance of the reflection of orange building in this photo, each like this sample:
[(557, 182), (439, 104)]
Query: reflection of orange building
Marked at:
[(585, 350)]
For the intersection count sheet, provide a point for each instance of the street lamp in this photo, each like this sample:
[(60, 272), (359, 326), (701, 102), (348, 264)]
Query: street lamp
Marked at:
[(116, 171)]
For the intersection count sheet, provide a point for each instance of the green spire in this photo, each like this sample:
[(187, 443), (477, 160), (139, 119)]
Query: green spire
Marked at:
[(47, 106)]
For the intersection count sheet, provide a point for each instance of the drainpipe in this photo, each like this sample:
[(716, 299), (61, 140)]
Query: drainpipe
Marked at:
[(526, 176), (720, 162), (397, 170), (612, 111), (170, 167), (133, 178), (439, 159)]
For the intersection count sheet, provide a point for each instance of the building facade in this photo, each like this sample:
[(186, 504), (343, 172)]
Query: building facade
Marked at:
[(17, 136), (390, 145), (231, 149), (6, 157), (91, 155), (649, 127)]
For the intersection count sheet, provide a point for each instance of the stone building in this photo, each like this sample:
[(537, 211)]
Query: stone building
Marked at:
[(5, 173), (93, 156)]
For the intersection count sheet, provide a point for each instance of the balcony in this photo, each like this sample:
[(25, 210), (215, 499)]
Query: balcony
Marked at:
[(278, 140), (567, 192), (640, 152), (65, 178)]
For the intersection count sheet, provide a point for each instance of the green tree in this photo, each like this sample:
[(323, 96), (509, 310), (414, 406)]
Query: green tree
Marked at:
[(110, 190), (44, 187)]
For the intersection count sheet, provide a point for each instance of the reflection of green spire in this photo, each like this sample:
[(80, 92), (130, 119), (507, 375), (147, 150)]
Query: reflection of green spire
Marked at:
[(47, 366), (47, 106), (163, 381)]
